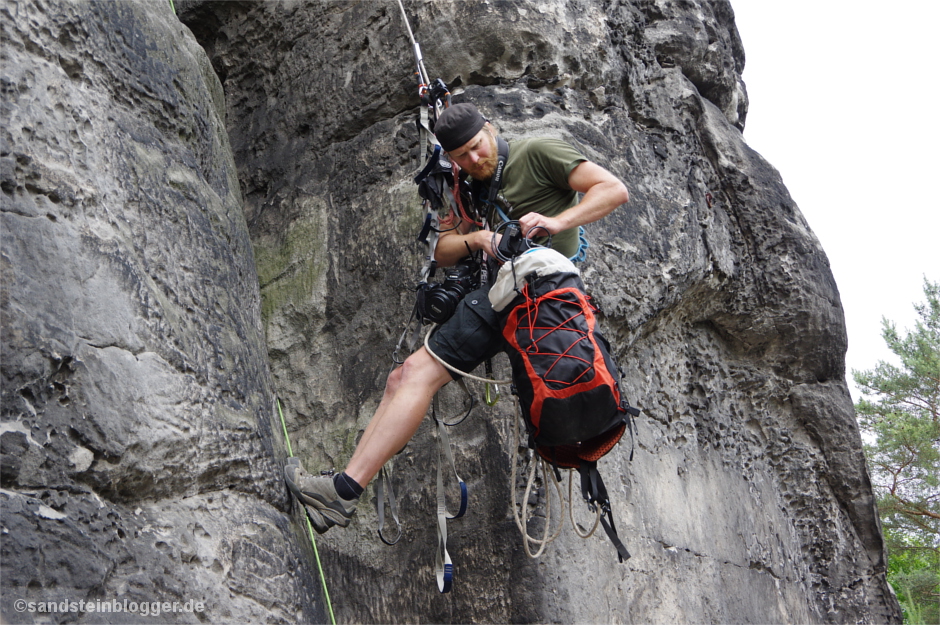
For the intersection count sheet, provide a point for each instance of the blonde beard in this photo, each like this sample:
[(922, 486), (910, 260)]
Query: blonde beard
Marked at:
[(485, 168)]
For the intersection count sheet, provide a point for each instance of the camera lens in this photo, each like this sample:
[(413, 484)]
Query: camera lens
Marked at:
[(440, 304)]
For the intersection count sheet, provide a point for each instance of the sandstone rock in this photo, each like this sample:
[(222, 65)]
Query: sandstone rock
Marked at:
[(138, 457), (140, 360)]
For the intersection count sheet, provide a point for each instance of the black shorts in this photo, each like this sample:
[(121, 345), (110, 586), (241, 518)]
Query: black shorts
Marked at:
[(473, 335)]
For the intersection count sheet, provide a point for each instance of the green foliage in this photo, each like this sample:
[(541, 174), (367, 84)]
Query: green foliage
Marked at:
[(914, 572), (900, 418)]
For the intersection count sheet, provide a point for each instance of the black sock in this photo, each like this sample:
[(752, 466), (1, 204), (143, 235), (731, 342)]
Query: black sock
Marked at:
[(346, 487)]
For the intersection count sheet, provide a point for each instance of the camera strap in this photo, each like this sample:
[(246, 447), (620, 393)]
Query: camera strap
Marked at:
[(496, 181), (488, 195)]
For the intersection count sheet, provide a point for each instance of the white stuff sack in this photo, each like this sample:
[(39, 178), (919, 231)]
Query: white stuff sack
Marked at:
[(541, 261)]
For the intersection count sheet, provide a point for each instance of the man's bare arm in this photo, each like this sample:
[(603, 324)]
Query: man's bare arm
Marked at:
[(603, 192), (452, 245)]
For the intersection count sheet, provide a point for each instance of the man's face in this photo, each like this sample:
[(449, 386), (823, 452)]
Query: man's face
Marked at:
[(478, 156)]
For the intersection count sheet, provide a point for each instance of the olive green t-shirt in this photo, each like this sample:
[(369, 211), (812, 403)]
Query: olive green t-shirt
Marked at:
[(536, 179)]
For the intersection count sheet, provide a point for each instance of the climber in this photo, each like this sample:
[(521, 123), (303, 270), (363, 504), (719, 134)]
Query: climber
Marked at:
[(541, 180)]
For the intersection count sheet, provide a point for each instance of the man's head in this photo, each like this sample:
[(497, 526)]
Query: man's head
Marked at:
[(468, 139)]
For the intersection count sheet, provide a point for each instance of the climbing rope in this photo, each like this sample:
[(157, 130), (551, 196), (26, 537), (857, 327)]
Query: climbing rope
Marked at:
[(521, 515), (520, 512), (313, 540), (427, 346)]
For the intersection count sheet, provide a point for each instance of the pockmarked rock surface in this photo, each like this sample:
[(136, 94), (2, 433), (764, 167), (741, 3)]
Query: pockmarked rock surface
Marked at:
[(141, 362), (138, 460), (748, 498)]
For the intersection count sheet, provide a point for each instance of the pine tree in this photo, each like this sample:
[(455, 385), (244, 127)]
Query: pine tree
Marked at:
[(899, 416)]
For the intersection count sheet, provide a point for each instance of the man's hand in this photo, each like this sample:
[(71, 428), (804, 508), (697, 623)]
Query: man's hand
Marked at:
[(536, 225), (486, 242), (452, 246)]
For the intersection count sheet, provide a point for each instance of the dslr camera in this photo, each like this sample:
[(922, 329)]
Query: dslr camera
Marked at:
[(437, 302), (513, 242)]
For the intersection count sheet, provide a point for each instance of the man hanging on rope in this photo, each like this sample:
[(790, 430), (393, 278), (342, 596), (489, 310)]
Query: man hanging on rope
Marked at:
[(540, 180)]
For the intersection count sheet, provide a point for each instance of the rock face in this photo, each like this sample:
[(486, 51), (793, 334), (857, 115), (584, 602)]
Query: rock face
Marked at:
[(140, 361), (748, 498), (138, 457)]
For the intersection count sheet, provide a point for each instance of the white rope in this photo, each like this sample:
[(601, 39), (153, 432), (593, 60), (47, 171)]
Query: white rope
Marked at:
[(521, 517), (597, 511), (427, 346), (520, 513)]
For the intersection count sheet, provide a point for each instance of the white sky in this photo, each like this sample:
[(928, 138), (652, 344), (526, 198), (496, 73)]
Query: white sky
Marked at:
[(844, 103)]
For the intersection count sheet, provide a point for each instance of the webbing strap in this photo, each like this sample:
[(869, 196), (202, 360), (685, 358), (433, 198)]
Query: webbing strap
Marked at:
[(425, 135), (404, 340), (595, 493), (444, 441), (496, 181), (429, 233), (433, 160), (382, 484), (444, 565), (433, 236), (607, 521), (489, 195)]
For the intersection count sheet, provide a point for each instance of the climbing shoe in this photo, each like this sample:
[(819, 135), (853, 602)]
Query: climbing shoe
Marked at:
[(318, 494)]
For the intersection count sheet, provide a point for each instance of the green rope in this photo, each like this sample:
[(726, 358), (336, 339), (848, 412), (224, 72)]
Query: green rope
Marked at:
[(290, 452), (173, 7), (313, 540)]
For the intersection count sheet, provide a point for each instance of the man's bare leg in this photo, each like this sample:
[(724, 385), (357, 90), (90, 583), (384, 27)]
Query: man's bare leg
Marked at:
[(408, 394), (332, 500)]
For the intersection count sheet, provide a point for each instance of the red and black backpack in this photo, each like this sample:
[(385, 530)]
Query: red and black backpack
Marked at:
[(567, 381)]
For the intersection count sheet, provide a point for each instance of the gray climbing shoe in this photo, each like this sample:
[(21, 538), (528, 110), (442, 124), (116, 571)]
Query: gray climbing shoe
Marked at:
[(324, 506)]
